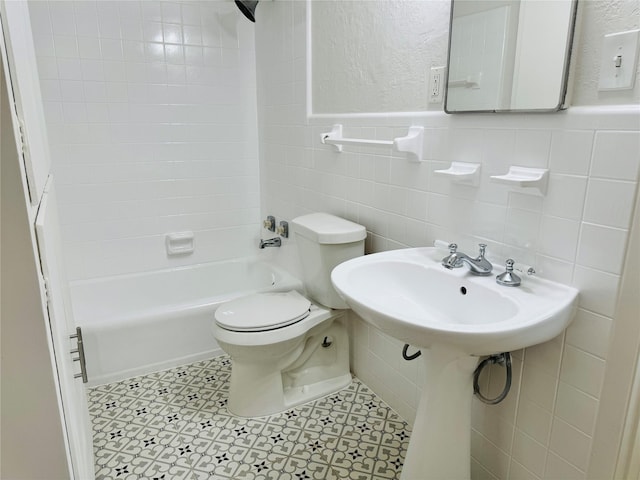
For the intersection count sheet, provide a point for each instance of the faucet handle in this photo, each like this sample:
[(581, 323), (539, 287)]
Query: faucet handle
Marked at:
[(483, 247), (508, 278), (453, 247), (270, 223)]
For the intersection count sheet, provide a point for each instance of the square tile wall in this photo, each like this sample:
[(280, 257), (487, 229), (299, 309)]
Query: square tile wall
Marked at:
[(151, 112), (575, 234)]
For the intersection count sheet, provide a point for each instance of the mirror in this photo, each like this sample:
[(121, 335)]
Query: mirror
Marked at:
[(509, 55)]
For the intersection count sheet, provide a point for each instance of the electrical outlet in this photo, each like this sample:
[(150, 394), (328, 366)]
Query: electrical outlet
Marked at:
[(436, 84)]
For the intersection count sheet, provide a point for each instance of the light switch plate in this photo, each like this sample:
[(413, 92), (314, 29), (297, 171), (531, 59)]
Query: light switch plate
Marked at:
[(619, 60)]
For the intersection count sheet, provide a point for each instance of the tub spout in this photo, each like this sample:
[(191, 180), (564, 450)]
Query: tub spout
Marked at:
[(271, 242)]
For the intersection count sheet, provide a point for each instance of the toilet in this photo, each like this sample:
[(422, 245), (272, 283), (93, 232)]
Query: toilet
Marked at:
[(287, 349)]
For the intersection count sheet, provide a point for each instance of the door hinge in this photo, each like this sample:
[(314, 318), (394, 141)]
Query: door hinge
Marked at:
[(24, 146)]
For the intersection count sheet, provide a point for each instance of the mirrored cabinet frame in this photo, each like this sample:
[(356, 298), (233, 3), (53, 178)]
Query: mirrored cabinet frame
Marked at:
[(474, 82)]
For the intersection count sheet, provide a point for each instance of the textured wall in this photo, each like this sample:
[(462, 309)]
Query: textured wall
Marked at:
[(599, 18), (576, 234), (151, 112), (31, 422), (375, 56), (364, 74)]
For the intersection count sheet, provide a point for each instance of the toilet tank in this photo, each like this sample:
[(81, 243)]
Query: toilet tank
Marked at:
[(324, 241)]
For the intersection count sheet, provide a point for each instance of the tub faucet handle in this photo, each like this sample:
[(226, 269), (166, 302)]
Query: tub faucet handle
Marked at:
[(283, 229), (270, 223)]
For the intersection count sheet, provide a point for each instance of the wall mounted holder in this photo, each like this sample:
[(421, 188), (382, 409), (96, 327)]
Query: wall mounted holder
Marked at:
[(462, 173), (410, 143), (179, 243), (525, 177)]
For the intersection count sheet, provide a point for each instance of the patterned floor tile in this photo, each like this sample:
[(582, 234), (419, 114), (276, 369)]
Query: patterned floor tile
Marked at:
[(174, 424)]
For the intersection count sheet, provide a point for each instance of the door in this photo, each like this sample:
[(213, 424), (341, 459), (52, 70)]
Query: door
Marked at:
[(74, 401), (16, 39)]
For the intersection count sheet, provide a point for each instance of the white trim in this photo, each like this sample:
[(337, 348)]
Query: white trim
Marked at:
[(628, 465)]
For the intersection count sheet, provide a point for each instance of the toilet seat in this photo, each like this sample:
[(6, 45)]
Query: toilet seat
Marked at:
[(262, 311)]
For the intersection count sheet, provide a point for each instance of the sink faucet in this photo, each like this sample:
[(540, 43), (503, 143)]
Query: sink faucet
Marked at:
[(477, 266), (271, 242)]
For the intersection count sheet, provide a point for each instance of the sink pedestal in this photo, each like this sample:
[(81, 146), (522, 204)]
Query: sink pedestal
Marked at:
[(440, 444)]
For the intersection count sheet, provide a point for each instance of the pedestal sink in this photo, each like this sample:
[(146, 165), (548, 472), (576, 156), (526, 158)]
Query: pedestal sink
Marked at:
[(455, 317)]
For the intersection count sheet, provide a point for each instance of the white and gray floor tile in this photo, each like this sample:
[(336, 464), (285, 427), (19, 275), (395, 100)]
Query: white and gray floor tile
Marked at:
[(174, 425)]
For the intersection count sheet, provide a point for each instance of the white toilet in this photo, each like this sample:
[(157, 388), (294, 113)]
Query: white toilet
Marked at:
[(285, 349)]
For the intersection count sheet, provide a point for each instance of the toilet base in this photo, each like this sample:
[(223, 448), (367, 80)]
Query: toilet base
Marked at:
[(304, 371)]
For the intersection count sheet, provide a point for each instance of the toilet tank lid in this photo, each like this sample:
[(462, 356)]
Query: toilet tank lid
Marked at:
[(327, 228)]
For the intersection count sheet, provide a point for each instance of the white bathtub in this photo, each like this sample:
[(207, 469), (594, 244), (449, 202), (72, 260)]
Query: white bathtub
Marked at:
[(140, 323)]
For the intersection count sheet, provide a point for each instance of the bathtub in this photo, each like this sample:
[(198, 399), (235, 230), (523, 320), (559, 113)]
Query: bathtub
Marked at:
[(140, 323)]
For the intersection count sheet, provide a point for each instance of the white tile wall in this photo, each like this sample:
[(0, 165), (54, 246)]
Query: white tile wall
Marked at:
[(575, 234), (151, 108)]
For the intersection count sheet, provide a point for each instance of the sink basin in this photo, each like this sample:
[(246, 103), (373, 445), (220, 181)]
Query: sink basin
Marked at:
[(454, 317), (409, 295)]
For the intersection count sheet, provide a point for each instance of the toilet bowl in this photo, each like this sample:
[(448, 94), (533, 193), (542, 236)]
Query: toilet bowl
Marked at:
[(286, 349)]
